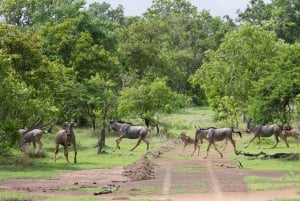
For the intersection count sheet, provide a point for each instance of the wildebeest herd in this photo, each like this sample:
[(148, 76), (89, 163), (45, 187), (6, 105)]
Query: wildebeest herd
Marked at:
[(66, 137), (212, 135)]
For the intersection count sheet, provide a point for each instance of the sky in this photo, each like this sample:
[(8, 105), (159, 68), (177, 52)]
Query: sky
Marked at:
[(215, 7)]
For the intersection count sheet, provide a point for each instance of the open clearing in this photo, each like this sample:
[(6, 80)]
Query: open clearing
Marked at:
[(174, 177)]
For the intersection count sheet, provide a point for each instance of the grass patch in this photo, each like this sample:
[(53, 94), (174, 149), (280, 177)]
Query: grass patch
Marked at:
[(187, 169), (73, 198), (264, 183), (286, 199), (258, 163), (20, 165), (147, 190), (178, 189), (16, 196)]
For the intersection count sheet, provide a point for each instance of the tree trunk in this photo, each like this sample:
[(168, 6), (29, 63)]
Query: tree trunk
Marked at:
[(101, 141)]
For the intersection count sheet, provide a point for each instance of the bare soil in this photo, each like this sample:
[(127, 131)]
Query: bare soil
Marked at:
[(159, 175)]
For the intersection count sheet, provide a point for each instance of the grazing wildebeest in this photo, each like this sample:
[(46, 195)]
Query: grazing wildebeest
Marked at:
[(31, 135), (265, 131), (186, 140), (66, 138), (129, 131), (219, 134)]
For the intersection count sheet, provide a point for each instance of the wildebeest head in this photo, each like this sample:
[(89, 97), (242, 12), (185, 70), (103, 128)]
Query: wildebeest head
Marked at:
[(69, 127)]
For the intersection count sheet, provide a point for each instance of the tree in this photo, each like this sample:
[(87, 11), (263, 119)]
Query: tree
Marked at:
[(229, 74), (170, 40), (276, 94), (147, 98), (280, 16), (33, 13)]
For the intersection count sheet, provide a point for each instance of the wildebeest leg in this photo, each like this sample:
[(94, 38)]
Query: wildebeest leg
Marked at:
[(196, 146), (207, 150), (216, 148), (147, 143), (224, 145), (66, 153), (276, 141), (56, 152), (40, 145), (34, 144), (137, 144), (251, 141), (233, 144), (75, 153), (118, 142)]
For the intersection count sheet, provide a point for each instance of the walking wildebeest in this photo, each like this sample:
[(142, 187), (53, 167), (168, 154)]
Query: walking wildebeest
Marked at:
[(128, 131), (33, 136), (219, 134), (265, 131), (66, 138), (200, 134)]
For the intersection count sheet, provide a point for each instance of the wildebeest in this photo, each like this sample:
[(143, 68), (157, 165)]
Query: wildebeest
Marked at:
[(186, 140), (265, 131), (220, 134), (66, 138), (33, 136), (200, 134), (129, 131)]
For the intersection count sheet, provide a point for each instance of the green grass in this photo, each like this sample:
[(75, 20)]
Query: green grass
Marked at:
[(16, 196), (264, 183), (146, 190), (258, 163), (87, 157), (17, 165)]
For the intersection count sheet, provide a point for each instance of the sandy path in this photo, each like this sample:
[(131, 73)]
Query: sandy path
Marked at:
[(187, 178)]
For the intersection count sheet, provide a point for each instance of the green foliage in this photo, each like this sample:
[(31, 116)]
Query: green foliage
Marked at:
[(62, 61), (276, 93), (230, 74), (149, 98), (280, 16)]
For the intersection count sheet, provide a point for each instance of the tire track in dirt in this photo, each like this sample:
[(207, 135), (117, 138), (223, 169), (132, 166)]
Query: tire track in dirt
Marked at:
[(167, 182), (214, 182)]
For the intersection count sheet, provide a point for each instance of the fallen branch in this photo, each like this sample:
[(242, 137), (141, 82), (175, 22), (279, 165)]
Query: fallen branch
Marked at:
[(290, 156), (108, 189)]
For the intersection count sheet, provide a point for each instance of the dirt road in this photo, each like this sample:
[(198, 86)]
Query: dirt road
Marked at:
[(174, 178)]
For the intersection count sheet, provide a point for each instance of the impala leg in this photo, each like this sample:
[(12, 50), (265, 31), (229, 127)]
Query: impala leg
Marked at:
[(284, 138), (183, 148)]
